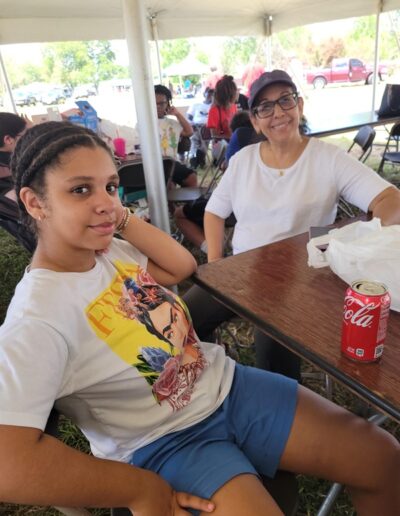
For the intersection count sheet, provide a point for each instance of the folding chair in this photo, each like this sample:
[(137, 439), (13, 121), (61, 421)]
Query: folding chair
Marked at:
[(364, 139), (391, 157), (132, 179)]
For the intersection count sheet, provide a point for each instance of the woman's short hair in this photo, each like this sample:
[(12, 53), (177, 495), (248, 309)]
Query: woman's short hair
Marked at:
[(10, 125)]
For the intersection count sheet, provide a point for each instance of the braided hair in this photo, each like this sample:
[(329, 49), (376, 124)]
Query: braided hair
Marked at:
[(42, 147), (225, 91)]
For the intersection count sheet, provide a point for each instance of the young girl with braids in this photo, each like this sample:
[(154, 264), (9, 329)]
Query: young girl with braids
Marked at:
[(174, 424)]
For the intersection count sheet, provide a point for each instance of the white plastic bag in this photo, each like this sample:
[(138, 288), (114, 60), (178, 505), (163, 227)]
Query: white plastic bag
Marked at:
[(362, 250)]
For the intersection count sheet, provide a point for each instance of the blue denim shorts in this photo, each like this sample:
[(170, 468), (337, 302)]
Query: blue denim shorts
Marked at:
[(246, 434)]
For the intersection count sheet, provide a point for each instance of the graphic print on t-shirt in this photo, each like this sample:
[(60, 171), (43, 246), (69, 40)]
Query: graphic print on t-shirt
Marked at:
[(149, 327)]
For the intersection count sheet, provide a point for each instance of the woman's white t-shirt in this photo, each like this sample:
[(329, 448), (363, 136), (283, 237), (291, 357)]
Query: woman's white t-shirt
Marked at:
[(271, 204)]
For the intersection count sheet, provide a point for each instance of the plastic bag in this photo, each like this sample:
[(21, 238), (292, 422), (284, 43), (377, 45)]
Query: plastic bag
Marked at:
[(362, 250)]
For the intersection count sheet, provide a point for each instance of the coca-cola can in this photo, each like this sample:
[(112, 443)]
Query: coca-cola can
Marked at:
[(365, 318)]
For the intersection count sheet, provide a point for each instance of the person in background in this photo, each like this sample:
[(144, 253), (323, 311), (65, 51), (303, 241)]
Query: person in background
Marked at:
[(12, 127), (197, 114), (189, 218), (242, 101), (172, 126), (223, 108), (174, 424), (275, 190)]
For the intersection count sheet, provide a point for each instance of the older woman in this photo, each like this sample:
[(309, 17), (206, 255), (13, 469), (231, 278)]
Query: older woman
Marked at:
[(280, 187)]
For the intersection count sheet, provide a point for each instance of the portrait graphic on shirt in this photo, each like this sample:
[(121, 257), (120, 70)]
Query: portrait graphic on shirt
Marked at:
[(152, 331)]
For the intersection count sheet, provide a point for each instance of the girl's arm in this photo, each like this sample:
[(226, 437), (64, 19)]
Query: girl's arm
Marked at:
[(214, 229), (40, 470), (169, 262)]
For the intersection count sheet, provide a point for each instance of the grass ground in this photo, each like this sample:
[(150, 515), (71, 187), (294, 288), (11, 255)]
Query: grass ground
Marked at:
[(312, 491)]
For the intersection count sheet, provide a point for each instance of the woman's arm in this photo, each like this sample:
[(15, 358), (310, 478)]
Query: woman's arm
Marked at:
[(214, 228), (386, 206), (38, 469), (169, 262)]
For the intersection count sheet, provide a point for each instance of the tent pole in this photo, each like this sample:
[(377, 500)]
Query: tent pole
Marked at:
[(7, 83), (154, 29), (137, 37), (376, 56), (268, 43)]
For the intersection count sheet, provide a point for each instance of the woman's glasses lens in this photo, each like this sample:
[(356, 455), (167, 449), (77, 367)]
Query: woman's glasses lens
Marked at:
[(285, 102)]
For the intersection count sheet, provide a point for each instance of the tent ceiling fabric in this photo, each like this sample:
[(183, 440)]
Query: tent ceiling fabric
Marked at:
[(23, 21)]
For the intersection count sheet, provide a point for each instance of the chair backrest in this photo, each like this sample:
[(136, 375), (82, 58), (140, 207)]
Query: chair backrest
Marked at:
[(132, 178), (395, 131), (364, 138)]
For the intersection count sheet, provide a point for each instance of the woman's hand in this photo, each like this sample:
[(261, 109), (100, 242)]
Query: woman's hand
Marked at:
[(157, 498)]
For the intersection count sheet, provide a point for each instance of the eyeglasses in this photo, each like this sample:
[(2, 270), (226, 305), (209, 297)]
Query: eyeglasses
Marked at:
[(267, 108)]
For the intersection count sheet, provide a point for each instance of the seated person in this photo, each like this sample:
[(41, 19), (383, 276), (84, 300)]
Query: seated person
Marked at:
[(12, 127), (174, 424), (172, 125), (197, 114), (189, 217), (291, 182), (242, 101)]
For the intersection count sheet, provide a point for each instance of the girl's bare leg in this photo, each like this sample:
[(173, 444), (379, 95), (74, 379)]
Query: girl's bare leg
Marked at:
[(328, 442), (244, 495)]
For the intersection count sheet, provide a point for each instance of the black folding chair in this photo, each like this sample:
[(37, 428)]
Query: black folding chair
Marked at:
[(132, 179), (391, 157), (364, 139)]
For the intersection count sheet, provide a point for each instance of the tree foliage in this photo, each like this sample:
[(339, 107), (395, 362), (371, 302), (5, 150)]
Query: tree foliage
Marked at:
[(239, 51), (77, 62), (174, 51)]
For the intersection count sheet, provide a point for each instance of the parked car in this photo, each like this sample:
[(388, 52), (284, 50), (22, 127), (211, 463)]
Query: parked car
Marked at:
[(24, 98), (344, 69), (84, 91), (55, 96)]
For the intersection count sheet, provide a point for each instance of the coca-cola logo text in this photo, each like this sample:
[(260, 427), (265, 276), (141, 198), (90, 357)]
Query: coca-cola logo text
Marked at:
[(358, 313)]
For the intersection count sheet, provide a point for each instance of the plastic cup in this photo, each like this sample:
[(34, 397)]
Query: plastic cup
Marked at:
[(120, 147)]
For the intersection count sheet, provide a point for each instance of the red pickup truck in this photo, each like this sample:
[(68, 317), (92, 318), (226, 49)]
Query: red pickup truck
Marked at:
[(344, 70)]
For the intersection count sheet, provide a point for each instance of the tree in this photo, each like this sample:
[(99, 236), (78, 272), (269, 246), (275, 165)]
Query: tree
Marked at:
[(174, 51), (240, 51), (77, 62)]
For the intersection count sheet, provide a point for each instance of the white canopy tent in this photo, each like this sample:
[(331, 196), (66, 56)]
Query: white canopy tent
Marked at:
[(54, 20), (27, 21)]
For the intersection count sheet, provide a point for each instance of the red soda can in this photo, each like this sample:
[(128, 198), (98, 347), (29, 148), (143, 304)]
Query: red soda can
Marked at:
[(365, 318)]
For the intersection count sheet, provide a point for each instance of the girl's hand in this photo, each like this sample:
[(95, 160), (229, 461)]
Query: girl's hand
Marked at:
[(157, 498)]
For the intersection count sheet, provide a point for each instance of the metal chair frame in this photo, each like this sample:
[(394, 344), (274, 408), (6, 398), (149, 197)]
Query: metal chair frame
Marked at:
[(391, 157), (364, 139)]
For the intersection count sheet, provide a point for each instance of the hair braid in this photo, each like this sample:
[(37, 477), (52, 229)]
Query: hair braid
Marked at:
[(41, 147)]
